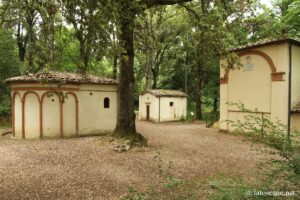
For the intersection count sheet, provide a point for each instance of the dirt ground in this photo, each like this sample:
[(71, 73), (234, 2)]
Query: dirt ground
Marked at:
[(88, 168)]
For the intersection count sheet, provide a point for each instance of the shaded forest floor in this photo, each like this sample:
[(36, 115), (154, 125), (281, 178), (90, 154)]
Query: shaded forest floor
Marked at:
[(182, 161)]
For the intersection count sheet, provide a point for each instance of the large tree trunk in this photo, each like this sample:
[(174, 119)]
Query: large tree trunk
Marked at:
[(154, 86), (115, 67), (198, 92), (51, 39), (22, 42), (126, 116), (149, 67), (186, 71)]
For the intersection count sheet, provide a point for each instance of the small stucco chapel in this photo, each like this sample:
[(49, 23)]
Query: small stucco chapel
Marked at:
[(61, 104), (268, 82), (162, 105)]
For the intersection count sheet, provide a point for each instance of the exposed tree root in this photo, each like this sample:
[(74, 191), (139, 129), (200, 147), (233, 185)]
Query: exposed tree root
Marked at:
[(136, 139)]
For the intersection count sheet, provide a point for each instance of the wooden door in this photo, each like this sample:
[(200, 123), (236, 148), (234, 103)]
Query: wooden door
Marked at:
[(148, 112)]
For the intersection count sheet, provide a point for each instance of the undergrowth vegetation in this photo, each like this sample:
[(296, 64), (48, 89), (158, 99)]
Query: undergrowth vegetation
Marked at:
[(277, 181), (274, 134), (279, 176)]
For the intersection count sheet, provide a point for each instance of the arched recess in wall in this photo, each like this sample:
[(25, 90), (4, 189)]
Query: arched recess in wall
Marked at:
[(252, 87), (17, 114), (51, 115), (31, 115), (70, 114), (276, 76)]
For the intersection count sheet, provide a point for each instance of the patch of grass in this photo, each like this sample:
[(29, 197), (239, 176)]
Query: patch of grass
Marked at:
[(276, 176), (207, 114)]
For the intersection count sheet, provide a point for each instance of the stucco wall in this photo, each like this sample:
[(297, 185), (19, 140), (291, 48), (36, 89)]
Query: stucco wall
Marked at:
[(223, 107), (295, 96), (18, 116), (51, 116), (32, 116), (255, 88), (60, 117), (295, 75), (295, 121), (162, 105), (172, 113), (69, 117), (94, 118), (252, 88), (153, 102)]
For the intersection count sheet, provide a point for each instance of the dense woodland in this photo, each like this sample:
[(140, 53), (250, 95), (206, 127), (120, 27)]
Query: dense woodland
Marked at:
[(169, 44)]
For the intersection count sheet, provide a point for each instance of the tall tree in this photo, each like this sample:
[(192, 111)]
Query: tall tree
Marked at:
[(90, 19), (22, 16), (282, 20), (156, 31), (126, 116), (211, 21), (9, 66)]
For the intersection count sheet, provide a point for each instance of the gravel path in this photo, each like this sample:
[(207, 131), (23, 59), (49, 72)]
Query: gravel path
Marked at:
[(88, 168)]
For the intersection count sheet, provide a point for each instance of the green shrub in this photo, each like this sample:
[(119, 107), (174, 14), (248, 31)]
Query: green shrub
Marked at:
[(274, 134)]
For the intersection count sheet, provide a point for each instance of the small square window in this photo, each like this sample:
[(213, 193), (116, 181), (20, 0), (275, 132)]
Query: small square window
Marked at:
[(171, 104)]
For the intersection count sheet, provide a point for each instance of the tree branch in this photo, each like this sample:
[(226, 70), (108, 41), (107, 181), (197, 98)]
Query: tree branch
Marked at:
[(193, 12), (151, 3)]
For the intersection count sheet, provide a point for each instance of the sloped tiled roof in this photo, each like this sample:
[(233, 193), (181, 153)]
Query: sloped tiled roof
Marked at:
[(266, 42), (67, 77), (296, 108), (166, 93)]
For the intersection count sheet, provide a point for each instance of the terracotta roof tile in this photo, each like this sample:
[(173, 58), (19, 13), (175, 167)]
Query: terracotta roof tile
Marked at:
[(67, 77), (166, 93), (265, 42)]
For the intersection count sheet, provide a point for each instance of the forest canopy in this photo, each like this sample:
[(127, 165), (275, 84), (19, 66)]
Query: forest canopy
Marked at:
[(170, 44)]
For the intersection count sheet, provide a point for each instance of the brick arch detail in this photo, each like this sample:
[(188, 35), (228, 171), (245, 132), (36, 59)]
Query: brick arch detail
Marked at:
[(276, 76), (23, 110), (13, 110)]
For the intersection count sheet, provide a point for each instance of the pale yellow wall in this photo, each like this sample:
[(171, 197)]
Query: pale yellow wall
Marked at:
[(93, 118), (18, 117), (223, 107), (51, 116), (106, 88), (252, 88), (295, 121), (295, 75), (162, 105), (279, 102), (153, 102), (255, 88), (69, 116), (279, 55), (172, 113), (32, 117)]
